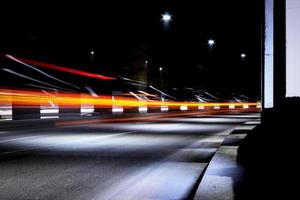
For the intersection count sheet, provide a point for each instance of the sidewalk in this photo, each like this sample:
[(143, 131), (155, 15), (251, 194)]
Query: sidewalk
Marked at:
[(224, 177)]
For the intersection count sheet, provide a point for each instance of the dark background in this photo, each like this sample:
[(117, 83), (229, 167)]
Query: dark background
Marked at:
[(124, 34)]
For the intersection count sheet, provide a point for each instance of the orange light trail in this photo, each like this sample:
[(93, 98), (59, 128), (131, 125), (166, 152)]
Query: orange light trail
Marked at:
[(36, 98)]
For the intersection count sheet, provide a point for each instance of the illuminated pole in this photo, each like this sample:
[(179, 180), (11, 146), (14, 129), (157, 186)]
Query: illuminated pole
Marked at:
[(166, 18), (92, 56)]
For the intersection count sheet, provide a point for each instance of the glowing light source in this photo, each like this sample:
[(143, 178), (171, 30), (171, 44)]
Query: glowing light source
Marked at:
[(243, 55), (160, 69), (38, 98), (166, 17), (211, 42)]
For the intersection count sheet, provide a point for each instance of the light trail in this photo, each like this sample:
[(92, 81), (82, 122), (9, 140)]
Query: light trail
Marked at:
[(33, 79), (64, 69), (34, 97), (40, 71)]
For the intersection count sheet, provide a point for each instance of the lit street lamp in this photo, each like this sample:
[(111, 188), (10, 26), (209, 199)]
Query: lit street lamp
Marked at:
[(92, 56), (161, 77), (146, 72), (211, 42), (166, 17)]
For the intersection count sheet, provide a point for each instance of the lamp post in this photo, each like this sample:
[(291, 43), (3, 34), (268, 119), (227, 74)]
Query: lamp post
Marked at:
[(243, 56), (166, 18), (92, 55), (211, 43), (161, 78)]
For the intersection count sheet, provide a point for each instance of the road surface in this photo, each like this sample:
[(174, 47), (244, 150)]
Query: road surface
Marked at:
[(161, 158)]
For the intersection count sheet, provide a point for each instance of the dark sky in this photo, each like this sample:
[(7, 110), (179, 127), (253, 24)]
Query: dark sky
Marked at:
[(125, 33)]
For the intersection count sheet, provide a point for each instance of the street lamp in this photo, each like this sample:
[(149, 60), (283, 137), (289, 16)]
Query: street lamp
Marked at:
[(161, 78), (146, 72), (92, 56), (211, 42), (243, 55), (166, 17)]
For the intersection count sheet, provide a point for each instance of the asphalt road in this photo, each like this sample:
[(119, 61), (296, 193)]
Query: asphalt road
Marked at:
[(158, 159)]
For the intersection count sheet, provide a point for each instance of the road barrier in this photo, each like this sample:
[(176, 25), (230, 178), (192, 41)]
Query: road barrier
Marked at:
[(53, 104)]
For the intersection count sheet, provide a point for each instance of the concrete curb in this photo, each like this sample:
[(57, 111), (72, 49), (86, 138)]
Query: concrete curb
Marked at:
[(223, 174)]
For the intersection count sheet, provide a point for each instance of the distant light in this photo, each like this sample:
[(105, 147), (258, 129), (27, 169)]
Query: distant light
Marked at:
[(160, 69), (211, 42), (146, 61), (166, 17), (243, 55), (92, 52)]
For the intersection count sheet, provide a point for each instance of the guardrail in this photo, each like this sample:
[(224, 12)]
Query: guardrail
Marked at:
[(52, 104)]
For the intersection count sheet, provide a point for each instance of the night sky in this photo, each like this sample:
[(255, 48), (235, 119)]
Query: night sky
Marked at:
[(124, 34)]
